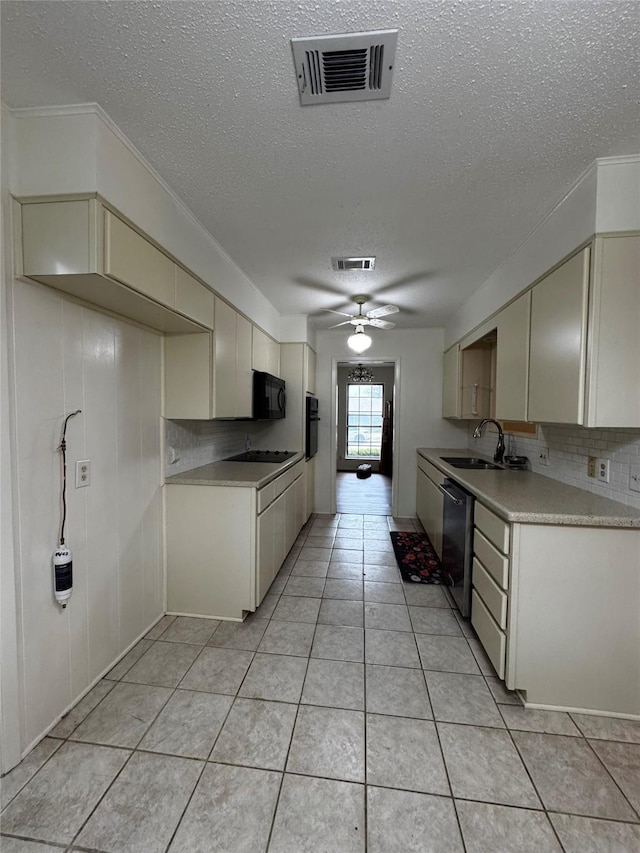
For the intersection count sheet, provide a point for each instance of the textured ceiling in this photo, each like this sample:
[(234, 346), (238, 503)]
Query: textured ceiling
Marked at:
[(496, 108)]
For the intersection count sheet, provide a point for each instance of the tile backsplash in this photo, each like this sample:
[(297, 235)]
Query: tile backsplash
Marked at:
[(201, 442), (569, 447)]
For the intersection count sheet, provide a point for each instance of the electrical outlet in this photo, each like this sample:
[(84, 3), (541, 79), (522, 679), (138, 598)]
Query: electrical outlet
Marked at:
[(603, 470), (634, 478), (591, 466), (83, 473), (544, 456)]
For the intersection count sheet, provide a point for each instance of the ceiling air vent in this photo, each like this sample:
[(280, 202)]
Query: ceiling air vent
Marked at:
[(340, 264), (350, 67)]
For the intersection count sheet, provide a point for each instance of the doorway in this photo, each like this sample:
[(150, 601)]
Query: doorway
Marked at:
[(364, 409)]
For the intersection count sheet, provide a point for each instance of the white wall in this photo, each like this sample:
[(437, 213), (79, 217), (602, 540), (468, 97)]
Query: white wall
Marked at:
[(418, 421), (65, 357), (92, 155)]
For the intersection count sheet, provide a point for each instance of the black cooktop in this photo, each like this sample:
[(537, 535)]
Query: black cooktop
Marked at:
[(262, 456)]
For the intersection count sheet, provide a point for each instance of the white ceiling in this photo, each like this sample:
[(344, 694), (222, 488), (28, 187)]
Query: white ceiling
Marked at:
[(496, 109)]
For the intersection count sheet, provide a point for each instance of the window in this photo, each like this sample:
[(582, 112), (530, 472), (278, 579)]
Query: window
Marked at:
[(364, 420)]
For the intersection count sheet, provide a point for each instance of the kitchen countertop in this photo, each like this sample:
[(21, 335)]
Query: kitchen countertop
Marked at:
[(241, 474), (522, 496)]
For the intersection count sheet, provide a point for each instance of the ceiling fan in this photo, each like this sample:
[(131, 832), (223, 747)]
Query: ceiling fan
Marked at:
[(371, 318), (359, 341)]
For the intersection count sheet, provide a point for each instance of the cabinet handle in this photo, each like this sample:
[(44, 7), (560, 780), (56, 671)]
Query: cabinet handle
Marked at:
[(456, 501), (474, 399)]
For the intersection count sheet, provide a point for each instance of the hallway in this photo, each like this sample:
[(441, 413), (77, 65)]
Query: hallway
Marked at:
[(352, 713), (371, 496)]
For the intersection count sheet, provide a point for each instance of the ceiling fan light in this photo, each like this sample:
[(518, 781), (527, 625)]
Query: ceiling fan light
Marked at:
[(358, 341)]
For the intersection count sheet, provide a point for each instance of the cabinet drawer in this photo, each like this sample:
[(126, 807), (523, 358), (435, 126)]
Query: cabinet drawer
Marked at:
[(494, 528), (266, 496), (496, 564), (492, 595), (132, 260), (430, 470), (194, 299), (492, 638)]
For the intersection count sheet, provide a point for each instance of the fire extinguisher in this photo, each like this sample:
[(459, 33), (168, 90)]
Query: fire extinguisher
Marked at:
[(62, 561)]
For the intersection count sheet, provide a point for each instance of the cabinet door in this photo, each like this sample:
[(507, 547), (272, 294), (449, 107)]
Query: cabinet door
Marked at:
[(244, 374), (300, 487), (134, 261), (475, 387), (429, 502), (310, 371), (290, 531), (614, 333), (188, 377), (265, 563), (558, 343), (451, 383), (279, 532), (260, 351), (310, 468), (273, 356), (512, 360), (225, 361), (194, 299)]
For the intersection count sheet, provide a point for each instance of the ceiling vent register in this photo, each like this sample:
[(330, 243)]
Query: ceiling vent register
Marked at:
[(350, 67), (342, 264)]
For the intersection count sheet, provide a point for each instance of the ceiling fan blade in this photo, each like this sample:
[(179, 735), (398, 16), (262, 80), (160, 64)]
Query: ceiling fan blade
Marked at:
[(382, 324), (342, 313), (346, 323), (383, 311)]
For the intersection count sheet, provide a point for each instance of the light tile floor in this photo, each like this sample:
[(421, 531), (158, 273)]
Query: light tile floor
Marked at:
[(350, 713)]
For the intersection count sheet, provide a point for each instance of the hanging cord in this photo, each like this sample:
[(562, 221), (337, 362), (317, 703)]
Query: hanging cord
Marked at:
[(63, 449)]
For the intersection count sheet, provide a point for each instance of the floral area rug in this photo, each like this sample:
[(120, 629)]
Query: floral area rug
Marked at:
[(416, 558)]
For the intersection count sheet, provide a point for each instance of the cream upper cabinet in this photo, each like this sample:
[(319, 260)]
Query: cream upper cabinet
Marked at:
[(193, 299), (265, 353), (310, 369), (233, 389), (512, 360), (188, 377), (134, 261), (613, 372), (478, 379), (557, 360), (451, 383), (82, 248)]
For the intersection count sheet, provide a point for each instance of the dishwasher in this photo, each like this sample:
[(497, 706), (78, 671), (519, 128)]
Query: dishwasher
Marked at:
[(457, 542)]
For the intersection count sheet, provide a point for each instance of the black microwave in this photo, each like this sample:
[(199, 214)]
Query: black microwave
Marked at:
[(269, 398)]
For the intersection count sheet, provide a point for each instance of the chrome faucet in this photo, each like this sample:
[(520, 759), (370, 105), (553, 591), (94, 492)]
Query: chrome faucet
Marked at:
[(477, 433)]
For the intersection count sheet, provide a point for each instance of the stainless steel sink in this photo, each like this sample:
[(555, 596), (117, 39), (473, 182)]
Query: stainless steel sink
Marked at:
[(471, 462)]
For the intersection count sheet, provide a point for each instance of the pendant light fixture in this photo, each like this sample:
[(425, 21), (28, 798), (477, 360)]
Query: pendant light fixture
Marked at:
[(360, 374), (359, 341)]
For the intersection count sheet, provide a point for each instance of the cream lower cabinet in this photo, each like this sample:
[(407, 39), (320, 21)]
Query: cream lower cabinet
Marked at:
[(225, 544), (556, 609), (429, 502)]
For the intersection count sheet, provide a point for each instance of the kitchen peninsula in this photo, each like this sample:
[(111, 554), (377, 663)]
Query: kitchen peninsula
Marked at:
[(229, 528)]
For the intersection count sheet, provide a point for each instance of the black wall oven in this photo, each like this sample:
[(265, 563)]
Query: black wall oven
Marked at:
[(269, 398), (311, 427)]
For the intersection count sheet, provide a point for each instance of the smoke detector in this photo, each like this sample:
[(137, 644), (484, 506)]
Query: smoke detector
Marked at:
[(342, 264), (349, 67)]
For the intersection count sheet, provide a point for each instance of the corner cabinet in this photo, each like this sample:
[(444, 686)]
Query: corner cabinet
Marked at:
[(225, 544)]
